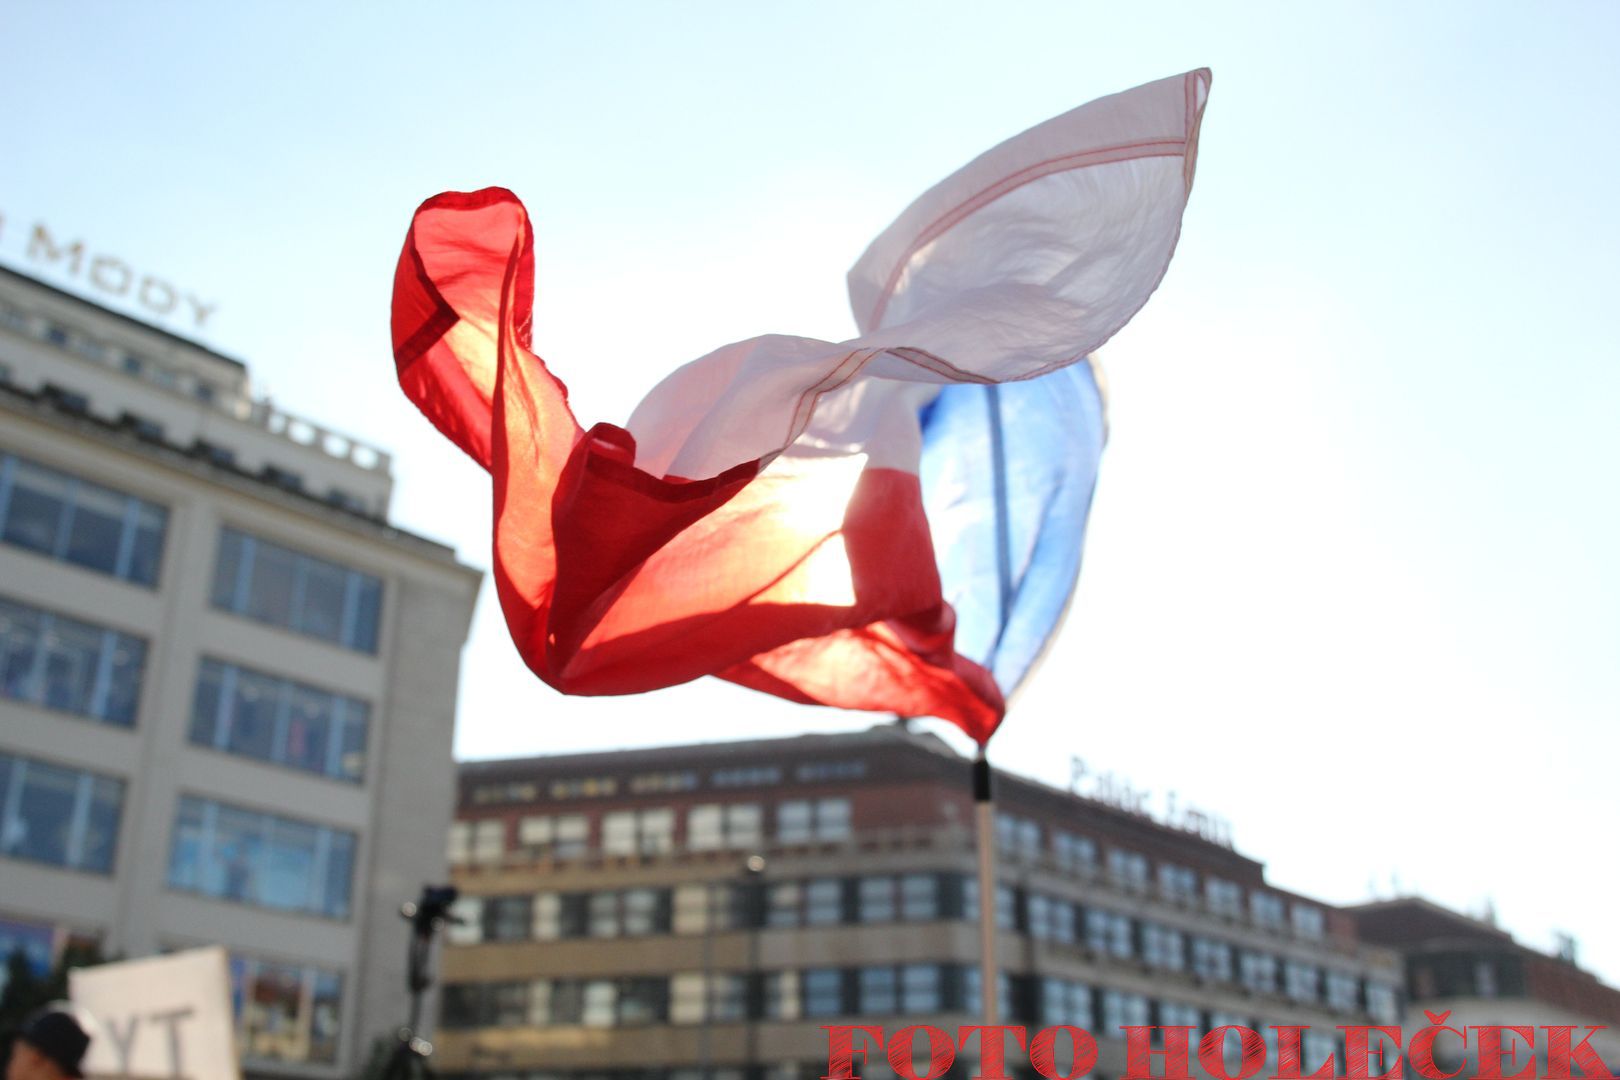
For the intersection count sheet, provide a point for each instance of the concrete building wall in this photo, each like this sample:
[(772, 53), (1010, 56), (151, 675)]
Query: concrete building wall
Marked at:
[(399, 808)]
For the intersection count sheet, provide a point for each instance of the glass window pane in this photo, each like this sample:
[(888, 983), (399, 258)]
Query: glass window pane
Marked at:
[(124, 684), (39, 498), (227, 569), (232, 863), (253, 719), (367, 615), (326, 1014), (146, 547), (96, 528), (309, 728), (45, 813), (321, 613), (189, 851), (288, 868), (339, 873), (72, 653), (352, 742), (20, 631), (101, 825), (272, 577)]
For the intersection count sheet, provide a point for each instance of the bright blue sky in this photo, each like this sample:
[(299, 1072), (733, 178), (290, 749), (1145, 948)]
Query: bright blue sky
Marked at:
[(1351, 579)]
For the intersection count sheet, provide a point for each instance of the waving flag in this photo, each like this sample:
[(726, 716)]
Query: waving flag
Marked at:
[(762, 515)]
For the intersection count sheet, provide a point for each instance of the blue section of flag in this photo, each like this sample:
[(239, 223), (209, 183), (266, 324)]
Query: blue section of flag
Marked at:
[(1008, 473)]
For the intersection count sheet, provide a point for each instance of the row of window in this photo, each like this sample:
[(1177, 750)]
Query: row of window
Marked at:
[(73, 520), (59, 816), (1023, 838), (251, 857), (832, 901), (65, 664), (284, 1012), (886, 990), (652, 831), (77, 667), (741, 826), (498, 792), (132, 363), (67, 817)]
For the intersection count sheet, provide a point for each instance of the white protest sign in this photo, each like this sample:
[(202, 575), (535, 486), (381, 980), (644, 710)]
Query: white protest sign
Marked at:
[(163, 1018)]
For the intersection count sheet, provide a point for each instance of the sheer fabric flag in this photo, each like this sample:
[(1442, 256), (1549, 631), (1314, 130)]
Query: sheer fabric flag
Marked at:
[(761, 516)]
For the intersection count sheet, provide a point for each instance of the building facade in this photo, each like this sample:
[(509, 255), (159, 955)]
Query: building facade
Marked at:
[(1480, 975), (227, 684), (701, 911)]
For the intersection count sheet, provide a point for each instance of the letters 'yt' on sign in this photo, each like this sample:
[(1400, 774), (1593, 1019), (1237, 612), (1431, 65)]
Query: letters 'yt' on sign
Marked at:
[(111, 275)]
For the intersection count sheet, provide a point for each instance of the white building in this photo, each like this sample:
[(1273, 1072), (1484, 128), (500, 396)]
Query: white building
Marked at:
[(227, 684)]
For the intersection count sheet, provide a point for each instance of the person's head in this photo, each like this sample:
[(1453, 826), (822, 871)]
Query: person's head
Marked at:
[(50, 1045)]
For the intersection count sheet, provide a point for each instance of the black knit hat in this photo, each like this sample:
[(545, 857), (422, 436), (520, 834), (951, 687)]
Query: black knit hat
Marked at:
[(58, 1036)]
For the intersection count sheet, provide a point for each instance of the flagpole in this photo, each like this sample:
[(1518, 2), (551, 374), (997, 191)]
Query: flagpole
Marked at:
[(985, 814)]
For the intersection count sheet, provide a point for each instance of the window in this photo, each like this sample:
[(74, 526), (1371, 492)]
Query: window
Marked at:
[(1128, 868), (747, 777), (784, 904), (782, 995), (879, 991), (1162, 947), (639, 832), (561, 836), (1382, 1004), (1342, 991), (298, 592), (626, 913), (824, 902), (1018, 837), (1259, 972), (60, 816), (1073, 853), (508, 918), (231, 853), (877, 899), (583, 787), (1308, 921), (1065, 1002), (821, 771), (1266, 910), (1319, 1049), (655, 783), (1177, 1014), (60, 516), (1121, 1009), (919, 897), (76, 667), (1050, 919), (1109, 933), (921, 989), (804, 820), (1177, 882), (286, 1012), (466, 924), (702, 906), (1223, 897), (687, 1000), (823, 992), (1006, 903), (245, 712), (477, 842), (1304, 981), (725, 826), (1212, 959)]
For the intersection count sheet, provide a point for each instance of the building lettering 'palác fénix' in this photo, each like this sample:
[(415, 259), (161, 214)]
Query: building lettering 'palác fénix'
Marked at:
[(227, 684), (704, 910)]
